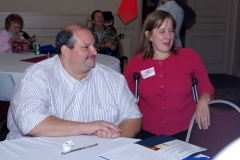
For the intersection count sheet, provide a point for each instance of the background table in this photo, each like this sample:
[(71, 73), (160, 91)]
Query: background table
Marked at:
[(49, 148), (11, 69)]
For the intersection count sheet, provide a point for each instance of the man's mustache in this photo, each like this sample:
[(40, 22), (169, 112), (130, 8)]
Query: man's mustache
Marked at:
[(91, 56)]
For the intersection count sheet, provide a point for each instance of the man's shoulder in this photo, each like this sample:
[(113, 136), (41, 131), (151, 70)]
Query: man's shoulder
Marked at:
[(44, 67), (106, 71)]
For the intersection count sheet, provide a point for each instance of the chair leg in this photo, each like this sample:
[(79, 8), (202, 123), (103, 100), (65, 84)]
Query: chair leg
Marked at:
[(3, 130), (238, 95)]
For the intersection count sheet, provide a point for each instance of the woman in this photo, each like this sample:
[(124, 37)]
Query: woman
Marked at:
[(13, 26), (166, 71), (106, 39)]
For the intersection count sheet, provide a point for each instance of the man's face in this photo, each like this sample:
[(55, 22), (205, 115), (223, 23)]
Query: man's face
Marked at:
[(14, 28), (82, 56)]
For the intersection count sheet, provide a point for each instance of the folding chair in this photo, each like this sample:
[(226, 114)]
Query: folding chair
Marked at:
[(224, 127), (4, 105)]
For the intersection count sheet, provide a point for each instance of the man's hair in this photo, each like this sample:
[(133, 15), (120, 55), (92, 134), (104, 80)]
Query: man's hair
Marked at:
[(65, 36), (16, 18), (153, 20)]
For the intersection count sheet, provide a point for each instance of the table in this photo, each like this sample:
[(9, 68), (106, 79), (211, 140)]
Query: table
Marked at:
[(11, 69), (49, 148)]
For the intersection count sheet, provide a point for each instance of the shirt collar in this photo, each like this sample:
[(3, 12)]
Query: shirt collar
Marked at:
[(69, 79), (11, 35)]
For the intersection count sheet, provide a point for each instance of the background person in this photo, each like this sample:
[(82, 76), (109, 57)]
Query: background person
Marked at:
[(189, 17), (69, 94), (165, 95), (13, 26), (177, 12), (106, 39)]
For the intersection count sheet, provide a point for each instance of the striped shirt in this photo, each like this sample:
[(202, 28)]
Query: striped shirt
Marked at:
[(46, 89)]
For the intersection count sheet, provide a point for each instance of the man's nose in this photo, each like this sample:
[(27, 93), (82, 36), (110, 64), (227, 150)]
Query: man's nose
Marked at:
[(94, 51)]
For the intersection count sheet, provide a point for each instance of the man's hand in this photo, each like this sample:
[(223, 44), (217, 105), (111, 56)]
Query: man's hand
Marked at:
[(104, 134), (101, 128)]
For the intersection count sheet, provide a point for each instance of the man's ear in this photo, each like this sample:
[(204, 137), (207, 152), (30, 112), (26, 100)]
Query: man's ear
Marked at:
[(65, 51)]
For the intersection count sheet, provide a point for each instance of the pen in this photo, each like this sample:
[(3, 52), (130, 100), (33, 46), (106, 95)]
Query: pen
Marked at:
[(92, 145)]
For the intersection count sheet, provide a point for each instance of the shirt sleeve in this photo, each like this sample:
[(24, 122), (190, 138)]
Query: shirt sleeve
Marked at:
[(4, 45), (200, 73), (30, 101)]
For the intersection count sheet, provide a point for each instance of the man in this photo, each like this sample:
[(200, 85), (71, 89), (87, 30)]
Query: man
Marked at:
[(177, 12), (70, 95)]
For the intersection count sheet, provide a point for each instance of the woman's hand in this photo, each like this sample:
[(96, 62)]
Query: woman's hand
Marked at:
[(202, 111), (12, 39)]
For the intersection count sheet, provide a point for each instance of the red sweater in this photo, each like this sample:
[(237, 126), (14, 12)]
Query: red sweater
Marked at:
[(165, 98)]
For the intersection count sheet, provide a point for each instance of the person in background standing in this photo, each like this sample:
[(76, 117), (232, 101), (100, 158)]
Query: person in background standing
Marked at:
[(189, 16), (177, 12)]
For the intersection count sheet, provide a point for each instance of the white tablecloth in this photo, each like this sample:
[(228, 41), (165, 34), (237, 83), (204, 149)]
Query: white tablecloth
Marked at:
[(11, 69), (49, 148)]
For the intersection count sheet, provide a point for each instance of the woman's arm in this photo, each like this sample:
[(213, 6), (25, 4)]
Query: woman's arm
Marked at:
[(202, 111)]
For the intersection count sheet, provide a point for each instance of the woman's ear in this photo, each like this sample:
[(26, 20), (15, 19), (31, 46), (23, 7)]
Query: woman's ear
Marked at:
[(147, 34)]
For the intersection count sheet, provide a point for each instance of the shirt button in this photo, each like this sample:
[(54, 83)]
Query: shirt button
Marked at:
[(161, 75), (164, 121), (163, 109), (160, 63), (161, 97), (162, 86)]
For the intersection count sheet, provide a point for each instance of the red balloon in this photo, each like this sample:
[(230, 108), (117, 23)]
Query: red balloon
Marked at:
[(128, 10)]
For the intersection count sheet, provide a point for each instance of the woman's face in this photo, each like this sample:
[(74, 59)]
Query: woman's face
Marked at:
[(98, 19), (14, 28), (162, 38)]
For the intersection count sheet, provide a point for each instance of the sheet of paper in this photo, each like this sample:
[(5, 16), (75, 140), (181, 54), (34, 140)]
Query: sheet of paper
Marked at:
[(179, 148), (137, 152), (171, 150)]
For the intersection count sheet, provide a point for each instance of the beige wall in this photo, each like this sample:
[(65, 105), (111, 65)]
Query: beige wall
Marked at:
[(58, 6), (46, 18)]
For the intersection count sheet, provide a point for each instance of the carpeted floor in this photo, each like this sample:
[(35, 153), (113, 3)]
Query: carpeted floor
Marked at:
[(226, 86)]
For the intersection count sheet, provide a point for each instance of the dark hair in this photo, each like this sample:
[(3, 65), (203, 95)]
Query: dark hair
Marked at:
[(93, 13), (16, 18), (65, 37), (153, 20)]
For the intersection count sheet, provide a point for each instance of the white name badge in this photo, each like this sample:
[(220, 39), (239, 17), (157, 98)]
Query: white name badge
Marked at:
[(148, 72)]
